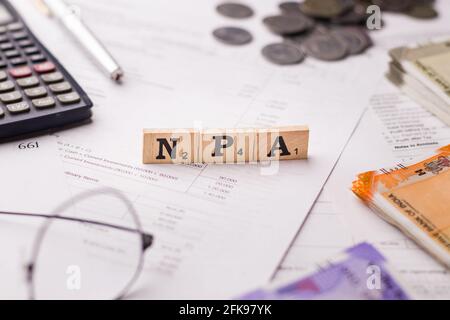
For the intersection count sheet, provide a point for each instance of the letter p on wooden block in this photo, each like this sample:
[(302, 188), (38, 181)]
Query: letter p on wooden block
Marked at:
[(225, 146)]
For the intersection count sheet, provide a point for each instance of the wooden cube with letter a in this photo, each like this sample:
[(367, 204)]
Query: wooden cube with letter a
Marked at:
[(170, 146), (284, 143)]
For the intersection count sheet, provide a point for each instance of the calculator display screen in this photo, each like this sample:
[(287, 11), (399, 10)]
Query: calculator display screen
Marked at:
[(5, 16)]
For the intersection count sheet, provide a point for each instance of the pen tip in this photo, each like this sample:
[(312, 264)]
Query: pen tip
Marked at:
[(117, 75)]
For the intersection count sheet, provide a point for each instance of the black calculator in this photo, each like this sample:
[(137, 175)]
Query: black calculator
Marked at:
[(36, 92)]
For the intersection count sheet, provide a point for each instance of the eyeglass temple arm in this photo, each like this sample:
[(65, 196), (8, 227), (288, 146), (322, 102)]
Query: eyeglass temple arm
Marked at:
[(147, 239)]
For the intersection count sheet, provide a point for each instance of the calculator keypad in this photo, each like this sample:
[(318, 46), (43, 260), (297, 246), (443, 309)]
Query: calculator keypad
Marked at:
[(30, 84), (36, 92), (10, 97), (18, 107)]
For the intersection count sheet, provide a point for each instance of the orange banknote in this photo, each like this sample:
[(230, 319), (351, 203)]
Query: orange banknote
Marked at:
[(415, 198)]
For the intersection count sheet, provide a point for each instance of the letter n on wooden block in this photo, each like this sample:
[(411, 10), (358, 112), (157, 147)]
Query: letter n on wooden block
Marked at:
[(284, 143), (170, 146)]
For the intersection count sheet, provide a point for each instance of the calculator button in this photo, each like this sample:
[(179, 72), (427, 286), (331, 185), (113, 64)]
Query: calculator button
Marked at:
[(28, 82), (44, 67), (10, 97), (3, 64), (18, 107), (43, 103), (7, 46), (15, 26), (62, 87), (31, 50), (12, 54), (2, 113), (25, 43), (6, 86), (3, 29), (36, 92), (19, 35), (3, 38), (3, 76), (69, 98), (20, 72), (52, 77), (37, 58), (18, 61)]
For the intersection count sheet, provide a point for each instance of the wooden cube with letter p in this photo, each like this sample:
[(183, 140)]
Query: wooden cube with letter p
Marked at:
[(170, 146), (216, 146), (284, 143)]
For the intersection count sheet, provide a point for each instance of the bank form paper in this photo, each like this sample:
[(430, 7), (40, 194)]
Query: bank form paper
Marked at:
[(220, 230), (394, 129)]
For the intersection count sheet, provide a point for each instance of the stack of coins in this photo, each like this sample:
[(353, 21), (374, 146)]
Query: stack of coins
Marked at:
[(327, 30)]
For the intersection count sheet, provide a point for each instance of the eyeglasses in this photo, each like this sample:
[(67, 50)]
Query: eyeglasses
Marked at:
[(91, 247)]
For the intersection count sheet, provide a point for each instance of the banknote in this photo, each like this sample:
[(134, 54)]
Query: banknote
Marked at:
[(423, 72), (415, 198), (359, 273)]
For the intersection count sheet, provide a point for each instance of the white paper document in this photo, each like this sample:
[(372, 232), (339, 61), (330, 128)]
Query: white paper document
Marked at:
[(220, 230), (394, 129), (32, 179)]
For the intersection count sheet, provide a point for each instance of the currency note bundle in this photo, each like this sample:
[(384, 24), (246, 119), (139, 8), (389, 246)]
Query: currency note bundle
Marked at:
[(359, 273), (415, 198), (423, 73)]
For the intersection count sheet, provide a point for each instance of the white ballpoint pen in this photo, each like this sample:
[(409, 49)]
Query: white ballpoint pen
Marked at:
[(72, 22)]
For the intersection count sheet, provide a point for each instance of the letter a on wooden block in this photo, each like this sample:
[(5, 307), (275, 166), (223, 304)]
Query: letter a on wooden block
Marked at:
[(170, 146), (284, 143)]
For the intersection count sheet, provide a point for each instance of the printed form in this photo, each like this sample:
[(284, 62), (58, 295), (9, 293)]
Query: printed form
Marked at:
[(393, 130), (220, 230)]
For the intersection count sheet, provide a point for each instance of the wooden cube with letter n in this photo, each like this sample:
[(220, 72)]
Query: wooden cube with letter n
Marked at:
[(170, 146), (284, 143)]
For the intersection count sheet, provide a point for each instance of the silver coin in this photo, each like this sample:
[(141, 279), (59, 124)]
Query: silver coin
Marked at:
[(290, 7), (355, 39), (357, 15), (233, 36), (234, 10), (394, 5), (325, 47), (287, 24), (283, 53)]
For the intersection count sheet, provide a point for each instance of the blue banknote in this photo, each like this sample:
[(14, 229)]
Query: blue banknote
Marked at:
[(360, 272)]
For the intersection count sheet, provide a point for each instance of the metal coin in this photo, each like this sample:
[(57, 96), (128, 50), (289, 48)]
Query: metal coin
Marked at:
[(394, 5), (290, 7), (233, 36), (283, 54), (355, 39), (234, 10), (287, 24), (422, 12), (325, 47), (357, 15), (325, 9)]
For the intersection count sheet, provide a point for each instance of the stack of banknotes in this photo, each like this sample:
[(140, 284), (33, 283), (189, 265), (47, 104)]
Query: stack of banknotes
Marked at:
[(415, 198), (423, 72), (360, 272)]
